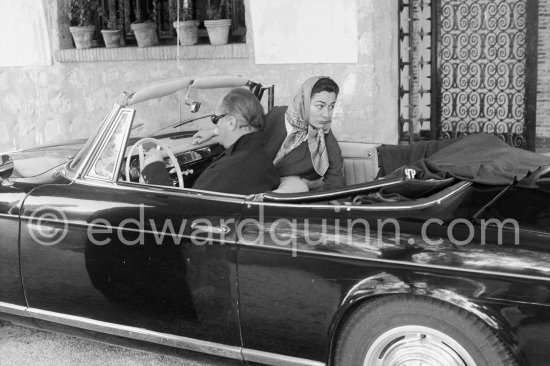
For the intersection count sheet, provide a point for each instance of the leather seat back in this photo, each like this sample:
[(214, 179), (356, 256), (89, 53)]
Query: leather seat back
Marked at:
[(360, 161)]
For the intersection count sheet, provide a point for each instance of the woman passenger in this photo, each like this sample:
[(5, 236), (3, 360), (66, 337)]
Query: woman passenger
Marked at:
[(300, 141)]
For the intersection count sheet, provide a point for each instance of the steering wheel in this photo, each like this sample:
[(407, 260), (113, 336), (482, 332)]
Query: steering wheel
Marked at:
[(141, 156)]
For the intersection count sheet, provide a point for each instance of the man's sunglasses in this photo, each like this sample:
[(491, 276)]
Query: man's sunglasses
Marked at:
[(216, 118)]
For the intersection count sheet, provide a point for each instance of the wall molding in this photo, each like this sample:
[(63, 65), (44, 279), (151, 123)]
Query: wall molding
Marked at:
[(157, 53)]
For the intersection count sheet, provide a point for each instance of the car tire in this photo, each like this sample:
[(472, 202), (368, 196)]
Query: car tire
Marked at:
[(403, 330)]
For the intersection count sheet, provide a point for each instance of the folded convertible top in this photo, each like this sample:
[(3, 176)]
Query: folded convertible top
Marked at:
[(481, 158)]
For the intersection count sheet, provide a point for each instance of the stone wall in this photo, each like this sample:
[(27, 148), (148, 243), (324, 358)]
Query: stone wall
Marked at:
[(67, 100)]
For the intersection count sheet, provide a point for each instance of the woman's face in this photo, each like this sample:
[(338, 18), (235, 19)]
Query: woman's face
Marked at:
[(320, 110)]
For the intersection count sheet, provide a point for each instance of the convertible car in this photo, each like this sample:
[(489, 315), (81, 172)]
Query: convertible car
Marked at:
[(389, 271)]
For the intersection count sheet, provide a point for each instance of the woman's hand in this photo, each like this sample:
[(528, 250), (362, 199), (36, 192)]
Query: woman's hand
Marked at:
[(204, 135), (315, 184)]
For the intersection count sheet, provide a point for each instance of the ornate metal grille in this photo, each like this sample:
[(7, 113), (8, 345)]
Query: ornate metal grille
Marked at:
[(468, 66), (483, 68)]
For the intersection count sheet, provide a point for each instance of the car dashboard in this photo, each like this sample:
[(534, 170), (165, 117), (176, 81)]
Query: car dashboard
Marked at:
[(192, 159)]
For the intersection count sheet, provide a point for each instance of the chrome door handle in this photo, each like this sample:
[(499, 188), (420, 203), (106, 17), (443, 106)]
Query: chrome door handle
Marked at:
[(222, 229)]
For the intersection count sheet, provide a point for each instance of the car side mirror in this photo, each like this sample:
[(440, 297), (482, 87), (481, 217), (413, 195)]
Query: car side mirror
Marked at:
[(6, 167), (194, 106)]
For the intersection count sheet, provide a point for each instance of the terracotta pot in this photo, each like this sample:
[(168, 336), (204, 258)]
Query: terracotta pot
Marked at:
[(83, 36), (146, 34), (111, 37), (218, 30), (187, 31)]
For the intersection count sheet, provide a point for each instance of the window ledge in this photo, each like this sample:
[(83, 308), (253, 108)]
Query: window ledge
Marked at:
[(133, 53)]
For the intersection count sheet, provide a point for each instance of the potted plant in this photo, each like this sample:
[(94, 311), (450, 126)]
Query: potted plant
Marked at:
[(186, 27), (218, 22), (111, 31), (80, 18), (145, 27)]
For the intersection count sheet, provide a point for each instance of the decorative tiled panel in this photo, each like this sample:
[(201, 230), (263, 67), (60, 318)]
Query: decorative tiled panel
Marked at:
[(543, 76), (415, 35)]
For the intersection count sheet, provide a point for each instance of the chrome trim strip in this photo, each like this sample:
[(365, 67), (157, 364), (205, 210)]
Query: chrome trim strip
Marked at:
[(194, 193), (9, 216), (13, 309), (435, 200), (342, 192), (155, 233), (141, 334), (295, 252), (274, 359)]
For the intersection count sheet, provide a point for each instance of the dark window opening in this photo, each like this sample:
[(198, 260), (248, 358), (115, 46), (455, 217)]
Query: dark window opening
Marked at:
[(120, 14)]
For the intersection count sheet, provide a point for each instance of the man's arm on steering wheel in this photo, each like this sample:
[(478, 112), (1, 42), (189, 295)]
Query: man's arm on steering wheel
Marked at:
[(155, 170)]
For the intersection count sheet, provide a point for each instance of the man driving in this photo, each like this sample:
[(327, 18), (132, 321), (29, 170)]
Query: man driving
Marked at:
[(244, 167)]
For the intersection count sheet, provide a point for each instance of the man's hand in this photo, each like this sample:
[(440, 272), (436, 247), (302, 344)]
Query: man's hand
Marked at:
[(204, 135), (152, 156)]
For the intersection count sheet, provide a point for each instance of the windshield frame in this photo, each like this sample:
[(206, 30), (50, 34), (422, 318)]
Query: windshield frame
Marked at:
[(73, 168)]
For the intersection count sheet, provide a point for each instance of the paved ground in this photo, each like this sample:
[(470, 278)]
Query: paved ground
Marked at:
[(24, 346)]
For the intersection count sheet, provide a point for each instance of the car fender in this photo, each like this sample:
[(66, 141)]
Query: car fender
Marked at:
[(466, 294)]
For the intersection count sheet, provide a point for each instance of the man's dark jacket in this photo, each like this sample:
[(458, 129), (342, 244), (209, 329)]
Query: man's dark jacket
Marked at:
[(243, 168)]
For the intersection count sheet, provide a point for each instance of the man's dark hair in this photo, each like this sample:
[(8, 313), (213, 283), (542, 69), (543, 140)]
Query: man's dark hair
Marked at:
[(244, 105), (325, 84)]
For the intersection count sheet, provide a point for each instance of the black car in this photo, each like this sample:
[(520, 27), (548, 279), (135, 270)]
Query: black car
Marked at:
[(390, 271)]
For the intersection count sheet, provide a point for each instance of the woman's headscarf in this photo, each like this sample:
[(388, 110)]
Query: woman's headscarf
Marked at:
[(297, 115)]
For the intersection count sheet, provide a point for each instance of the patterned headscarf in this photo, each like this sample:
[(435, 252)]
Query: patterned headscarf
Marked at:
[(297, 115)]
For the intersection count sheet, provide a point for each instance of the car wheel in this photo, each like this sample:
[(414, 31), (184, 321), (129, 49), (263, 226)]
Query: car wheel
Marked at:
[(412, 330)]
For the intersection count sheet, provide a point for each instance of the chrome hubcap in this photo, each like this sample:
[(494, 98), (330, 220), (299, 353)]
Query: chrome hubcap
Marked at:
[(414, 345)]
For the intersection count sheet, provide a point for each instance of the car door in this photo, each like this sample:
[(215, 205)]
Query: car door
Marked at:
[(148, 262), (136, 257), (288, 293), (11, 293)]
